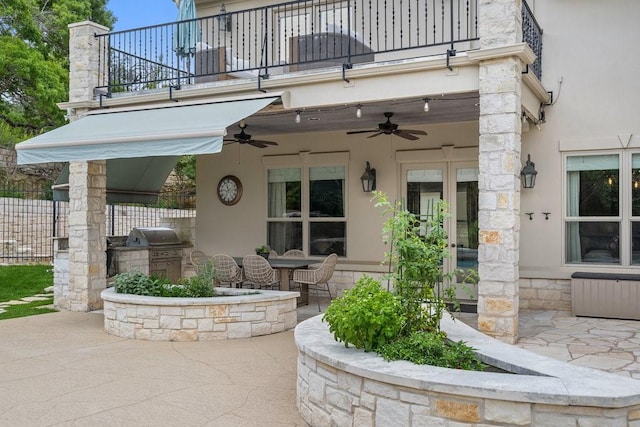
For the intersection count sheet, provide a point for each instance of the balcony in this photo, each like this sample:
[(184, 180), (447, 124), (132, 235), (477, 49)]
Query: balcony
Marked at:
[(292, 37)]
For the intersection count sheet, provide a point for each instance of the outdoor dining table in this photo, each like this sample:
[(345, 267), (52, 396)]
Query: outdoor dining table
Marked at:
[(285, 265)]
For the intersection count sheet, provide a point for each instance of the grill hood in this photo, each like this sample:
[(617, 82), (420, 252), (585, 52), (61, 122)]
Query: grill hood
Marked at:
[(152, 236)]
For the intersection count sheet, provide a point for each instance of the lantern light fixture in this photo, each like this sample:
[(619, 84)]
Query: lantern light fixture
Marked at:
[(528, 173), (368, 179)]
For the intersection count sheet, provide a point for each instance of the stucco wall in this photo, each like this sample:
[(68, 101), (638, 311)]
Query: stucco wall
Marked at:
[(586, 46)]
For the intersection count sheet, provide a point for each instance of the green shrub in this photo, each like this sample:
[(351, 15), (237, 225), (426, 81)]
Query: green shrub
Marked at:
[(137, 283), (431, 348), (367, 316)]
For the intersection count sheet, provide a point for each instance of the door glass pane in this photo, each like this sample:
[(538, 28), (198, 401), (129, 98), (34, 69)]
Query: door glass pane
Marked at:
[(424, 190), (282, 236), (467, 218), (284, 193), (593, 242), (326, 192), (327, 238)]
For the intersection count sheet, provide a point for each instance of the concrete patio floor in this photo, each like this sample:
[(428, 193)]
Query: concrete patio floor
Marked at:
[(63, 369)]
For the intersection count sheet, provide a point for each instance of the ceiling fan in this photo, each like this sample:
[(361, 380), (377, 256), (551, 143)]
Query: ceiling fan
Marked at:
[(388, 128), (245, 138)]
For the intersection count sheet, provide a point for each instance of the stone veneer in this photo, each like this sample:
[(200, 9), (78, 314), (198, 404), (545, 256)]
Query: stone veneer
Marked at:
[(347, 387), (237, 315), (545, 294)]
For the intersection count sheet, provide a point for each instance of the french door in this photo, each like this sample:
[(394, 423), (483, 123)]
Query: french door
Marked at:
[(423, 185)]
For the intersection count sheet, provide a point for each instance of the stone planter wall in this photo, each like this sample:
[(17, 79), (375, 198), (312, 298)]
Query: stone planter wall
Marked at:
[(193, 319), (347, 387)]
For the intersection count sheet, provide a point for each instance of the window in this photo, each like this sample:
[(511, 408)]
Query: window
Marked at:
[(595, 219), (306, 210)]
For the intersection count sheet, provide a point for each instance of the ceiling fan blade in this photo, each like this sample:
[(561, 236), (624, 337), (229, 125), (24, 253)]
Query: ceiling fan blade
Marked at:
[(264, 142), (405, 135), (361, 131), (415, 132), (228, 141), (256, 144), (376, 134)]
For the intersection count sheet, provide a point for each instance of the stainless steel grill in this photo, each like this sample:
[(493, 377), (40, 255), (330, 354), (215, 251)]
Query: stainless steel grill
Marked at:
[(152, 236), (165, 250)]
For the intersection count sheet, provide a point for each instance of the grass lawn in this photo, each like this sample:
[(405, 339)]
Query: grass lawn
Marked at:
[(19, 281)]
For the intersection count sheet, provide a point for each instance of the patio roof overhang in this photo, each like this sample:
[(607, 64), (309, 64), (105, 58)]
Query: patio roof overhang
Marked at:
[(142, 145)]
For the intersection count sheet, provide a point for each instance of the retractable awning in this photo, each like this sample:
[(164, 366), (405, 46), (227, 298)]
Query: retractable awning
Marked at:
[(166, 130), (136, 180)]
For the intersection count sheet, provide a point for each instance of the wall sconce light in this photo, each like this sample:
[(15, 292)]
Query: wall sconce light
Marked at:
[(426, 105), (359, 110), (368, 179), (528, 173), (224, 19), (298, 116)]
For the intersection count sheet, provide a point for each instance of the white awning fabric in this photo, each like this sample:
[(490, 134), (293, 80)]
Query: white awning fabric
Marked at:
[(167, 130)]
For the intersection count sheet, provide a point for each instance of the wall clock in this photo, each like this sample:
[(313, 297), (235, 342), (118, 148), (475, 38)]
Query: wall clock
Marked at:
[(229, 190)]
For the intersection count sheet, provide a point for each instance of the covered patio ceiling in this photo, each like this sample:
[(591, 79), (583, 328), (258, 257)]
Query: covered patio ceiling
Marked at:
[(450, 108)]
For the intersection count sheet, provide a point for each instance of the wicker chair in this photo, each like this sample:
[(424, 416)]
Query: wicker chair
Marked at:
[(227, 270), (273, 254), (317, 276), (258, 272), (197, 258), (293, 253)]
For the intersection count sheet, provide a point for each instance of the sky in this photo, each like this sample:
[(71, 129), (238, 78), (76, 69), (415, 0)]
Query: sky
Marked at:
[(140, 13)]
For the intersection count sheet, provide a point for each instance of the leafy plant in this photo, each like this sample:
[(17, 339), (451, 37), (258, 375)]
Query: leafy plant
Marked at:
[(367, 316), (137, 283), (264, 249), (431, 348), (418, 251)]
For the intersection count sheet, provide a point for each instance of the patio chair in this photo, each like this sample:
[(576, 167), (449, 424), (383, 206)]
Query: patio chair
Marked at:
[(198, 258), (259, 273), (227, 271), (293, 253), (273, 254), (316, 277)]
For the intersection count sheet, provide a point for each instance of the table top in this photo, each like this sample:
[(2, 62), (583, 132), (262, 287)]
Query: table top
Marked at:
[(284, 262)]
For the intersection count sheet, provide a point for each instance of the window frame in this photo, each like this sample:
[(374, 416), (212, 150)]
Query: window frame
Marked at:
[(624, 216), (305, 218)]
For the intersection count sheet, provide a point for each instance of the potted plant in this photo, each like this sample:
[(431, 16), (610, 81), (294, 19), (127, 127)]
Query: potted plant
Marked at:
[(263, 251)]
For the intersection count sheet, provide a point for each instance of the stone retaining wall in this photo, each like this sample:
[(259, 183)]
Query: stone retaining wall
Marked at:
[(347, 387), (237, 315)]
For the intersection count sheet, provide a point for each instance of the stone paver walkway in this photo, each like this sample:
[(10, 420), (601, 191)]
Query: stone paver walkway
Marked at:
[(48, 293), (610, 345)]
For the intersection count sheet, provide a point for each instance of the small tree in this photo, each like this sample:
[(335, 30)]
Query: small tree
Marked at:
[(416, 257)]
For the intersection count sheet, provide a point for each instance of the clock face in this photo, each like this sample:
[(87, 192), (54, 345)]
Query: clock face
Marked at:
[(229, 190)]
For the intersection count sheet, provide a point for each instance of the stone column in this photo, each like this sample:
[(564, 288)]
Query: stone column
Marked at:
[(500, 25), (87, 182), (87, 234)]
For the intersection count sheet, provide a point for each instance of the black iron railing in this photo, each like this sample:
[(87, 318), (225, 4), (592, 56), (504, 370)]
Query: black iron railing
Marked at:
[(292, 36), (280, 38), (532, 34)]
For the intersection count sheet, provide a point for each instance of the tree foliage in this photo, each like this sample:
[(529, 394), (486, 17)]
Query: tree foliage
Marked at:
[(34, 50)]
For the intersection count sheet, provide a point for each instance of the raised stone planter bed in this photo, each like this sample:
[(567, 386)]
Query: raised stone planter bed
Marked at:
[(238, 314), (347, 387)]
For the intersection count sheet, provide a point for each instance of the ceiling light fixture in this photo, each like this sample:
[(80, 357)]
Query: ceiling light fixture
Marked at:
[(298, 116), (359, 110)]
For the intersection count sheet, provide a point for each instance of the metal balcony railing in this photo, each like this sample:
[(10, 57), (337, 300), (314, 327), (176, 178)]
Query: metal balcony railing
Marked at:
[(532, 34), (282, 38)]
